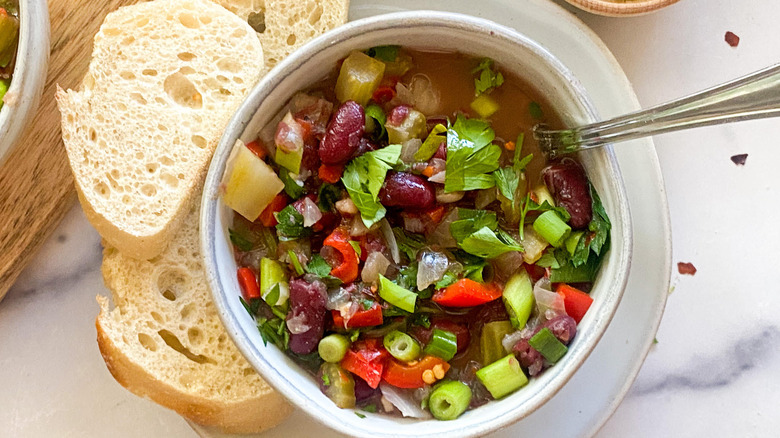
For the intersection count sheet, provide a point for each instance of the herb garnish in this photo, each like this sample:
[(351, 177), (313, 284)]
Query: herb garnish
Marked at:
[(477, 232), (364, 177), (290, 224), (291, 186), (487, 80), (384, 53), (471, 155)]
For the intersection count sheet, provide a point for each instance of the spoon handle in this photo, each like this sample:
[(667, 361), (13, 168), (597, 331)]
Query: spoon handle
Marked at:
[(754, 96)]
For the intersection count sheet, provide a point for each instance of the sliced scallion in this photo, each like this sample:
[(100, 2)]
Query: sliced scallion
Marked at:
[(296, 263), (401, 346), (396, 295), (449, 400), (503, 376), (548, 345), (552, 228), (333, 347), (443, 344)]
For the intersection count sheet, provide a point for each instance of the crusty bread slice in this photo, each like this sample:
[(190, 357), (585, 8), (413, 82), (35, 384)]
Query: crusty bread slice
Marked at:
[(285, 25), (164, 79), (164, 340)]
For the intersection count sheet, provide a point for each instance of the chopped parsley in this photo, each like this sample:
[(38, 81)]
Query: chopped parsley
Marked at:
[(364, 177), (328, 195), (325, 380), (318, 266), (273, 330), (471, 155), (296, 263), (477, 232), (291, 186), (375, 113), (508, 182), (239, 240), (487, 79), (409, 243), (384, 53), (290, 224), (356, 246), (359, 414)]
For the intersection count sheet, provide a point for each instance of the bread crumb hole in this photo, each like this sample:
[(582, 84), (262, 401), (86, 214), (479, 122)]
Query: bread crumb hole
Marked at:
[(149, 190), (182, 91), (199, 141), (187, 20), (147, 342), (127, 75), (256, 21), (172, 341), (291, 39), (187, 70), (157, 317), (92, 135), (239, 33), (315, 15), (166, 161), (187, 310), (149, 72), (195, 336), (138, 98), (205, 19), (171, 282), (186, 56), (247, 372), (141, 22), (102, 189), (152, 167), (229, 64), (111, 31), (128, 40)]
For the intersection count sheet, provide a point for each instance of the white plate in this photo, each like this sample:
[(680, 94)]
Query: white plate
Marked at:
[(590, 397)]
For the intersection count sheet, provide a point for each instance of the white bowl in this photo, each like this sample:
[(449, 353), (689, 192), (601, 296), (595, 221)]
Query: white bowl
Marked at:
[(29, 75), (434, 30)]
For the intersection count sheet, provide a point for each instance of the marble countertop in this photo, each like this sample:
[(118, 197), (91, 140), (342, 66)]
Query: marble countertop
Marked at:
[(714, 369)]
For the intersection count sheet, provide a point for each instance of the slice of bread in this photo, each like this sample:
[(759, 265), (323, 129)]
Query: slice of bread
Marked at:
[(164, 79), (164, 340), (285, 25)]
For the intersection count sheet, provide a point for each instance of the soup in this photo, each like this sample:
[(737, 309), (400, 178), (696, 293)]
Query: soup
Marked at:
[(399, 236), (9, 37)]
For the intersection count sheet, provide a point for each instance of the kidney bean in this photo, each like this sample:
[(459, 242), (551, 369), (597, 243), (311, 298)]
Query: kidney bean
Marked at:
[(528, 357), (406, 191), (564, 327), (568, 184), (363, 391), (364, 146), (398, 115), (441, 152), (342, 138), (307, 306)]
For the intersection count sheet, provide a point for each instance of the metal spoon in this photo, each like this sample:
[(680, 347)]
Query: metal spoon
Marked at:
[(754, 96)]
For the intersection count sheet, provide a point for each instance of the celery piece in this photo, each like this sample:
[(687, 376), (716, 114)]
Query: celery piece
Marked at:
[(338, 385), (503, 376), (359, 76), (272, 275), (552, 228), (519, 298), (396, 295), (485, 106), (413, 126), (9, 33), (548, 345), (449, 400), (289, 160), (490, 340), (572, 241)]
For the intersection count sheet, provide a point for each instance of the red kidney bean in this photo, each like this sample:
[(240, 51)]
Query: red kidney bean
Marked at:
[(407, 191), (343, 135), (564, 327), (398, 115), (307, 306), (441, 152), (364, 146), (528, 357), (568, 184)]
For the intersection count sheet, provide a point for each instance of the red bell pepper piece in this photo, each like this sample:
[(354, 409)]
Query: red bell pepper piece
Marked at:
[(257, 148), (267, 217), (575, 301), (347, 271), (361, 318), (248, 283), (331, 173), (383, 94), (467, 293), (366, 359), (409, 375)]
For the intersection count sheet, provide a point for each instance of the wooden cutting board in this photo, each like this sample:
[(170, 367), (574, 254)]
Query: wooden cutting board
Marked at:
[(36, 187)]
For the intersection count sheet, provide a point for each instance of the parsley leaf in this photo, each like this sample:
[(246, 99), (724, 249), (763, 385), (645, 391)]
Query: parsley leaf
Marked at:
[(422, 319), (375, 115), (470, 221), (364, 177), (328, 195), (476, 232), (291, 186), (239, 240), (325, 380), (600, 224), (432, 143), (384, 53), (318, 266), (471, 156), (290, 224), (447, 279), (531, 205), (408, 243), (487, 79), (273, 331), (356, 246)]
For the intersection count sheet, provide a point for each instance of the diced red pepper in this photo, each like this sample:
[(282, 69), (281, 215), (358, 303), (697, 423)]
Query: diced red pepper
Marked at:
[(347, 271), (467, 293), (366, 359), (435, 214), (307, 128), (575, 301), (409, 375), (361, 318), (248, 283), (267, 217), (383, 94), (257, 148), (331, 173)]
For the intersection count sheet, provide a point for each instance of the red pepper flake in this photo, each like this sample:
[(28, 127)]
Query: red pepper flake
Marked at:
[(739, 159), (732, 39), (686, 268)]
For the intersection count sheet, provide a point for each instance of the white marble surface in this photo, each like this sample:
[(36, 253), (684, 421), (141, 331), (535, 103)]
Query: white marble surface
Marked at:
[(714, 370)]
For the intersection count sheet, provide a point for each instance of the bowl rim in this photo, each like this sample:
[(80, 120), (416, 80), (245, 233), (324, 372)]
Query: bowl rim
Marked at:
[(236, 127), (29, 75)]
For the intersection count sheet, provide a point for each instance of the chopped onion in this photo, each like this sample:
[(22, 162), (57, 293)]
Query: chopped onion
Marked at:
[(403, 95), (413, 224), (438, 164), (511, 339), (403, 400), (346, 206), (431, 269), (289, 134), (392, 244), (338, 299), (438, 177), (441, 235), (505, 265), (298, 323), (426, 97), (358, 227), (311, 213), (376, 264), (448, 198), (533, 245), (484, 198), (548, 303), (409, 148)]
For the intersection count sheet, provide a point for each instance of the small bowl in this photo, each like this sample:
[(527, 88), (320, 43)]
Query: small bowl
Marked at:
[(438, 31), (29, 75), (625, 8)]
